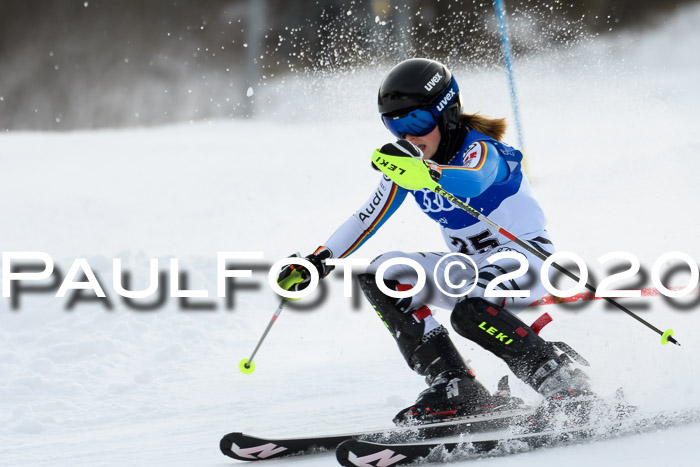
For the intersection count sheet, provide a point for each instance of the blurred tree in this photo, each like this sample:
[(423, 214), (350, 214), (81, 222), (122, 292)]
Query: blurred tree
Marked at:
[(96, 63)]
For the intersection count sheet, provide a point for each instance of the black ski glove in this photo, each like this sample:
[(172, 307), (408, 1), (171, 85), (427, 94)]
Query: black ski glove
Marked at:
[(317, 259)]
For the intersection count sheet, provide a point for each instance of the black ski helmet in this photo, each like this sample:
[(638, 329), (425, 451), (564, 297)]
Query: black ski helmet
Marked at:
[(421, 83)]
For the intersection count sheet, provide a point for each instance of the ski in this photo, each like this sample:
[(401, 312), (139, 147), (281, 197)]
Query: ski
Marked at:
[(365, 453), (252, 448)]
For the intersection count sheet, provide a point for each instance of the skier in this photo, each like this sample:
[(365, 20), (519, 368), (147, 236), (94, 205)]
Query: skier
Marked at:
[(420, 103)]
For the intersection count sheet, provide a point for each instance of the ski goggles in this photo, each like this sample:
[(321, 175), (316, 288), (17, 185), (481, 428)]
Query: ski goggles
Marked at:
[(423, 120)]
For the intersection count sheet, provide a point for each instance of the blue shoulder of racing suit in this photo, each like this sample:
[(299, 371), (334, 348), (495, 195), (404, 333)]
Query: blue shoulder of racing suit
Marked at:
[(475, 168), (484, 189)]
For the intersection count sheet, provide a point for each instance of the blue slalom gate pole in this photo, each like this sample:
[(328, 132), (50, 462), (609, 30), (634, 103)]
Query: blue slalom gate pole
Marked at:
[(505, 47)]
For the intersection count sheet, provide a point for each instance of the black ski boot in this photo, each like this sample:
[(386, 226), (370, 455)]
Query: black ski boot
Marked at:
[(454, 395), (453, 388), (547, 367)]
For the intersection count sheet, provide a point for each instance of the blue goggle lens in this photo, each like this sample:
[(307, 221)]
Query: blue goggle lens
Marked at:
[(418, 122), (421, 121)]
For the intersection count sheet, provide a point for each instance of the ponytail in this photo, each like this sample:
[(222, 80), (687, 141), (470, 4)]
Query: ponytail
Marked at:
[(493, 127)]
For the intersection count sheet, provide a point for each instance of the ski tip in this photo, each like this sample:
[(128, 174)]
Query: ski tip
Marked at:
[(226, 443), (342, 453), (246, 367)]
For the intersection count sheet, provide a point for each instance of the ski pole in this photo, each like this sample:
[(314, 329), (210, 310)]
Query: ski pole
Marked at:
[(247, 366), (666, 336), (508, 57)]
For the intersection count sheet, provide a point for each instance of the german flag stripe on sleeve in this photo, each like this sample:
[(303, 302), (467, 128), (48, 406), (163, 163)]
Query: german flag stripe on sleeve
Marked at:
[(374, 225)]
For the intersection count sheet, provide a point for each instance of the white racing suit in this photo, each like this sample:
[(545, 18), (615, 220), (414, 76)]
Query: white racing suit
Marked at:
[(485, 174)]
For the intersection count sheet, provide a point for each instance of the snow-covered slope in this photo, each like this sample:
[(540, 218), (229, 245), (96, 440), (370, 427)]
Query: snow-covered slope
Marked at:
[(611, 133)]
